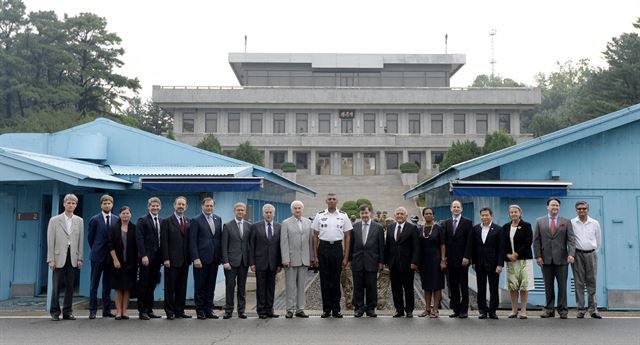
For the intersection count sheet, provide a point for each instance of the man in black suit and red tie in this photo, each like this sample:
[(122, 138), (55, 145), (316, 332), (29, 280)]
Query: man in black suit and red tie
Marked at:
[(402, 254), (457, 241), (487, 258), (265, 260), (148, 241), (205, 233), (174, 243)]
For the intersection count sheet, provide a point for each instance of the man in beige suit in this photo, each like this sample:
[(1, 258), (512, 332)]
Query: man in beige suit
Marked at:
[(296, 248), (65, 241)]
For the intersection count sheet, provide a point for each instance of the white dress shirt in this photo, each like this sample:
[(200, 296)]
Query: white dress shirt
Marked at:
[(485, 232), (587, 234)]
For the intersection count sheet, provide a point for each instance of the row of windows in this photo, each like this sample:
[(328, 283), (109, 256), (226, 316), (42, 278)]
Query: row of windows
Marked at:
[(346, 125), (347, 79)]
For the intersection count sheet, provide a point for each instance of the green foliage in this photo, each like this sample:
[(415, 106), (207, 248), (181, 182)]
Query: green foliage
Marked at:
[(149, 116), (484, 80), (409, 168), (363, 201), (47, 121), (460, 152), (210, 143), (246, 152), (350, 207), (170, 135), (289, 167), (496, 141)]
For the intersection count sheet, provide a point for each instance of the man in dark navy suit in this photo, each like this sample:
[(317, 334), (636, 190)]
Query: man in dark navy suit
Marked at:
[(98, 242), (148, 241), (487, 257), (174, 245), (457, 241), (205, 233)]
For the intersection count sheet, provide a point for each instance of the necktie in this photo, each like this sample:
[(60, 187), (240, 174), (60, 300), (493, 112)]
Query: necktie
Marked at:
[(365, 233), (155, 223), (182, 228), (240, 229), (212, 226), (552, 227), (269, 231), (108, 221), (455, 226), (398, 231)]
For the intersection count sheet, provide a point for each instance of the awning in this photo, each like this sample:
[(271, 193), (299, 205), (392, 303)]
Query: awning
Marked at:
[(513, 189), (211, 184)]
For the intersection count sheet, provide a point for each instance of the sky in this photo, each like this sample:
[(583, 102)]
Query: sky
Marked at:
[(187, 42)]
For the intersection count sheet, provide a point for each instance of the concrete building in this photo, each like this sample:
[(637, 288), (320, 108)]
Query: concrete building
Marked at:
[(345, 114), (38, 169), (597, 161)]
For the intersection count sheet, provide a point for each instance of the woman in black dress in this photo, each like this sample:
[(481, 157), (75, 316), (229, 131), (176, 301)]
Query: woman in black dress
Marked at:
[(432, 263), (124, 254)]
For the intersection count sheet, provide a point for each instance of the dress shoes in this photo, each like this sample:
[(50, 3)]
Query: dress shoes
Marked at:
[(302, 314), (358, 313), (454, 315), (564, 316), (211, 316), (144, 316), (125, 317), (325, 315), (170, 317), (68, 317), (398, 314), (227, 316), (108, 314), (580, 315), (92, 315), (547, 315), (273, 316), (262, 316), (289, 315), (463, 316), (242, 316), (153, 316), (409, 315), (371, 313), (55, 317), (596, 316), (183, 316), (201, 316), (118, 318), (482, 316), (493, 316), (337, 315)]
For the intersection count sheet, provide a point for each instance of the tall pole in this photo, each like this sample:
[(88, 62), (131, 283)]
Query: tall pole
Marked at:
[(492, 33), (245, 43), (446, 43)]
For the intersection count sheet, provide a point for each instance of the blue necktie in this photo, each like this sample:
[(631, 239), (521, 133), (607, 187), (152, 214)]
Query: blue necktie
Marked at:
[(269, 231)]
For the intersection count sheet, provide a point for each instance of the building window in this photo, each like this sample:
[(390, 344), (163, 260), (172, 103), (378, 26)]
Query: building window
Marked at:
[(414, 123), (279, 123), (211, 123), (369, 164), (256, 123), (369, 123), (302, 160), (482, 124), (392, 124), (347, 126), (346, 164), (323, 163), (459, 124), (416, 157), (302, 123), (436, 123), (234, 123), (324, 123), (504, 122), (277, 158), (436, 158), (393, 160), (188, 122)]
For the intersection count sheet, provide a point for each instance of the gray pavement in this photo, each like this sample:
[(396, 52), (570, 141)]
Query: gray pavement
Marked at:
[(383, 330)]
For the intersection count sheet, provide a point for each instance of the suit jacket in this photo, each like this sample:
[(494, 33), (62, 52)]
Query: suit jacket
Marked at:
[(202, 244), (173, 244), (264, 253), (116, 243), (235, 250), (147, 237), (367, 256), (400, 255), (554, 249), (98, 237), (296, 245), (522, 240), (57, 240), (490, 254), (458, 246)]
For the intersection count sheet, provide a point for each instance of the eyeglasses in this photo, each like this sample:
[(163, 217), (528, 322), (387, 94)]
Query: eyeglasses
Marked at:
[(581, 208)]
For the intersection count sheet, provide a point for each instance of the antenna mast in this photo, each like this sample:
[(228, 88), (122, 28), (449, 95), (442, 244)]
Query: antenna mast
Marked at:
[(492, 33)]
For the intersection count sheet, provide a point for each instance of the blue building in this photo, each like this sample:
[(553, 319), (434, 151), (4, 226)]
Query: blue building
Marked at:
[(597, 161), (37, 170)]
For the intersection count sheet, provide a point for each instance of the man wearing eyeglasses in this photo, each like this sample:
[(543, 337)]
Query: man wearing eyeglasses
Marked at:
[(587, 239)]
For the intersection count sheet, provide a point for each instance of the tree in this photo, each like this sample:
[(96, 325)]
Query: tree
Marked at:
[(363, 201), (210, 143), (460, 152), (350, 207), (496, 141), (484, 80), (149, 116), (246, 152)]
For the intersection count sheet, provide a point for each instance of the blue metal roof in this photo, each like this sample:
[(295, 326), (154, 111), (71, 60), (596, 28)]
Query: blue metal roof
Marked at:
[(528, 148), (239, 171)]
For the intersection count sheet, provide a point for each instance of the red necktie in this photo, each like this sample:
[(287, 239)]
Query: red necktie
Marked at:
[(182, 228), (398, 233), (552, 227)]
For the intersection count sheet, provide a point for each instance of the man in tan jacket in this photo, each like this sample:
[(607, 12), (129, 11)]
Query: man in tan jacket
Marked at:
[(65, 242)]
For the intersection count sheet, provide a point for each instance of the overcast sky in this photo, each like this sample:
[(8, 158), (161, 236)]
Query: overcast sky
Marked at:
[(186, 42)]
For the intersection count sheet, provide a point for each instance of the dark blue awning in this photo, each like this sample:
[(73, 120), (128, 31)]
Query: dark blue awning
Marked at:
[(182, 184), (513, 189)]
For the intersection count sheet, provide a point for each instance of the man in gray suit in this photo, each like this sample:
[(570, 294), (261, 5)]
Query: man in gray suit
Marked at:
[(296, 246), (65, 243), (554, 249), (366, 256), (235, 259)]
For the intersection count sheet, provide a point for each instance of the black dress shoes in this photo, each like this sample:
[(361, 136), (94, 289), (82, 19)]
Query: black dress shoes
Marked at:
[(68, 317), (493, 316), (153, 316), (358, 314), (170, 317), (273, 316), (184, 316), (242, 316), (262, 316), (211, 316), (371, 313), (289, 315), (108, 314), (398, 314), (338, 315), (55, 317), (409, 315), (596, 316), (201, 316), (301, 314), (325, 315), (226, 316), (92, 315), (454, 315), (547, 315), (144, 316), (482, 316), (463, 316)]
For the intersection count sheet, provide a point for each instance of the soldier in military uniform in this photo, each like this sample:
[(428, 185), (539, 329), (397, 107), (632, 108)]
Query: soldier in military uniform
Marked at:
[(384, 280), (330, 228)]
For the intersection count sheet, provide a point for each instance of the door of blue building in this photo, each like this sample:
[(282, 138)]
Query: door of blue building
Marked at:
[(7, 244)]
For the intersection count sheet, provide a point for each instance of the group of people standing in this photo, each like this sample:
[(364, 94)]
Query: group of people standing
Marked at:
[(128, 256)]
